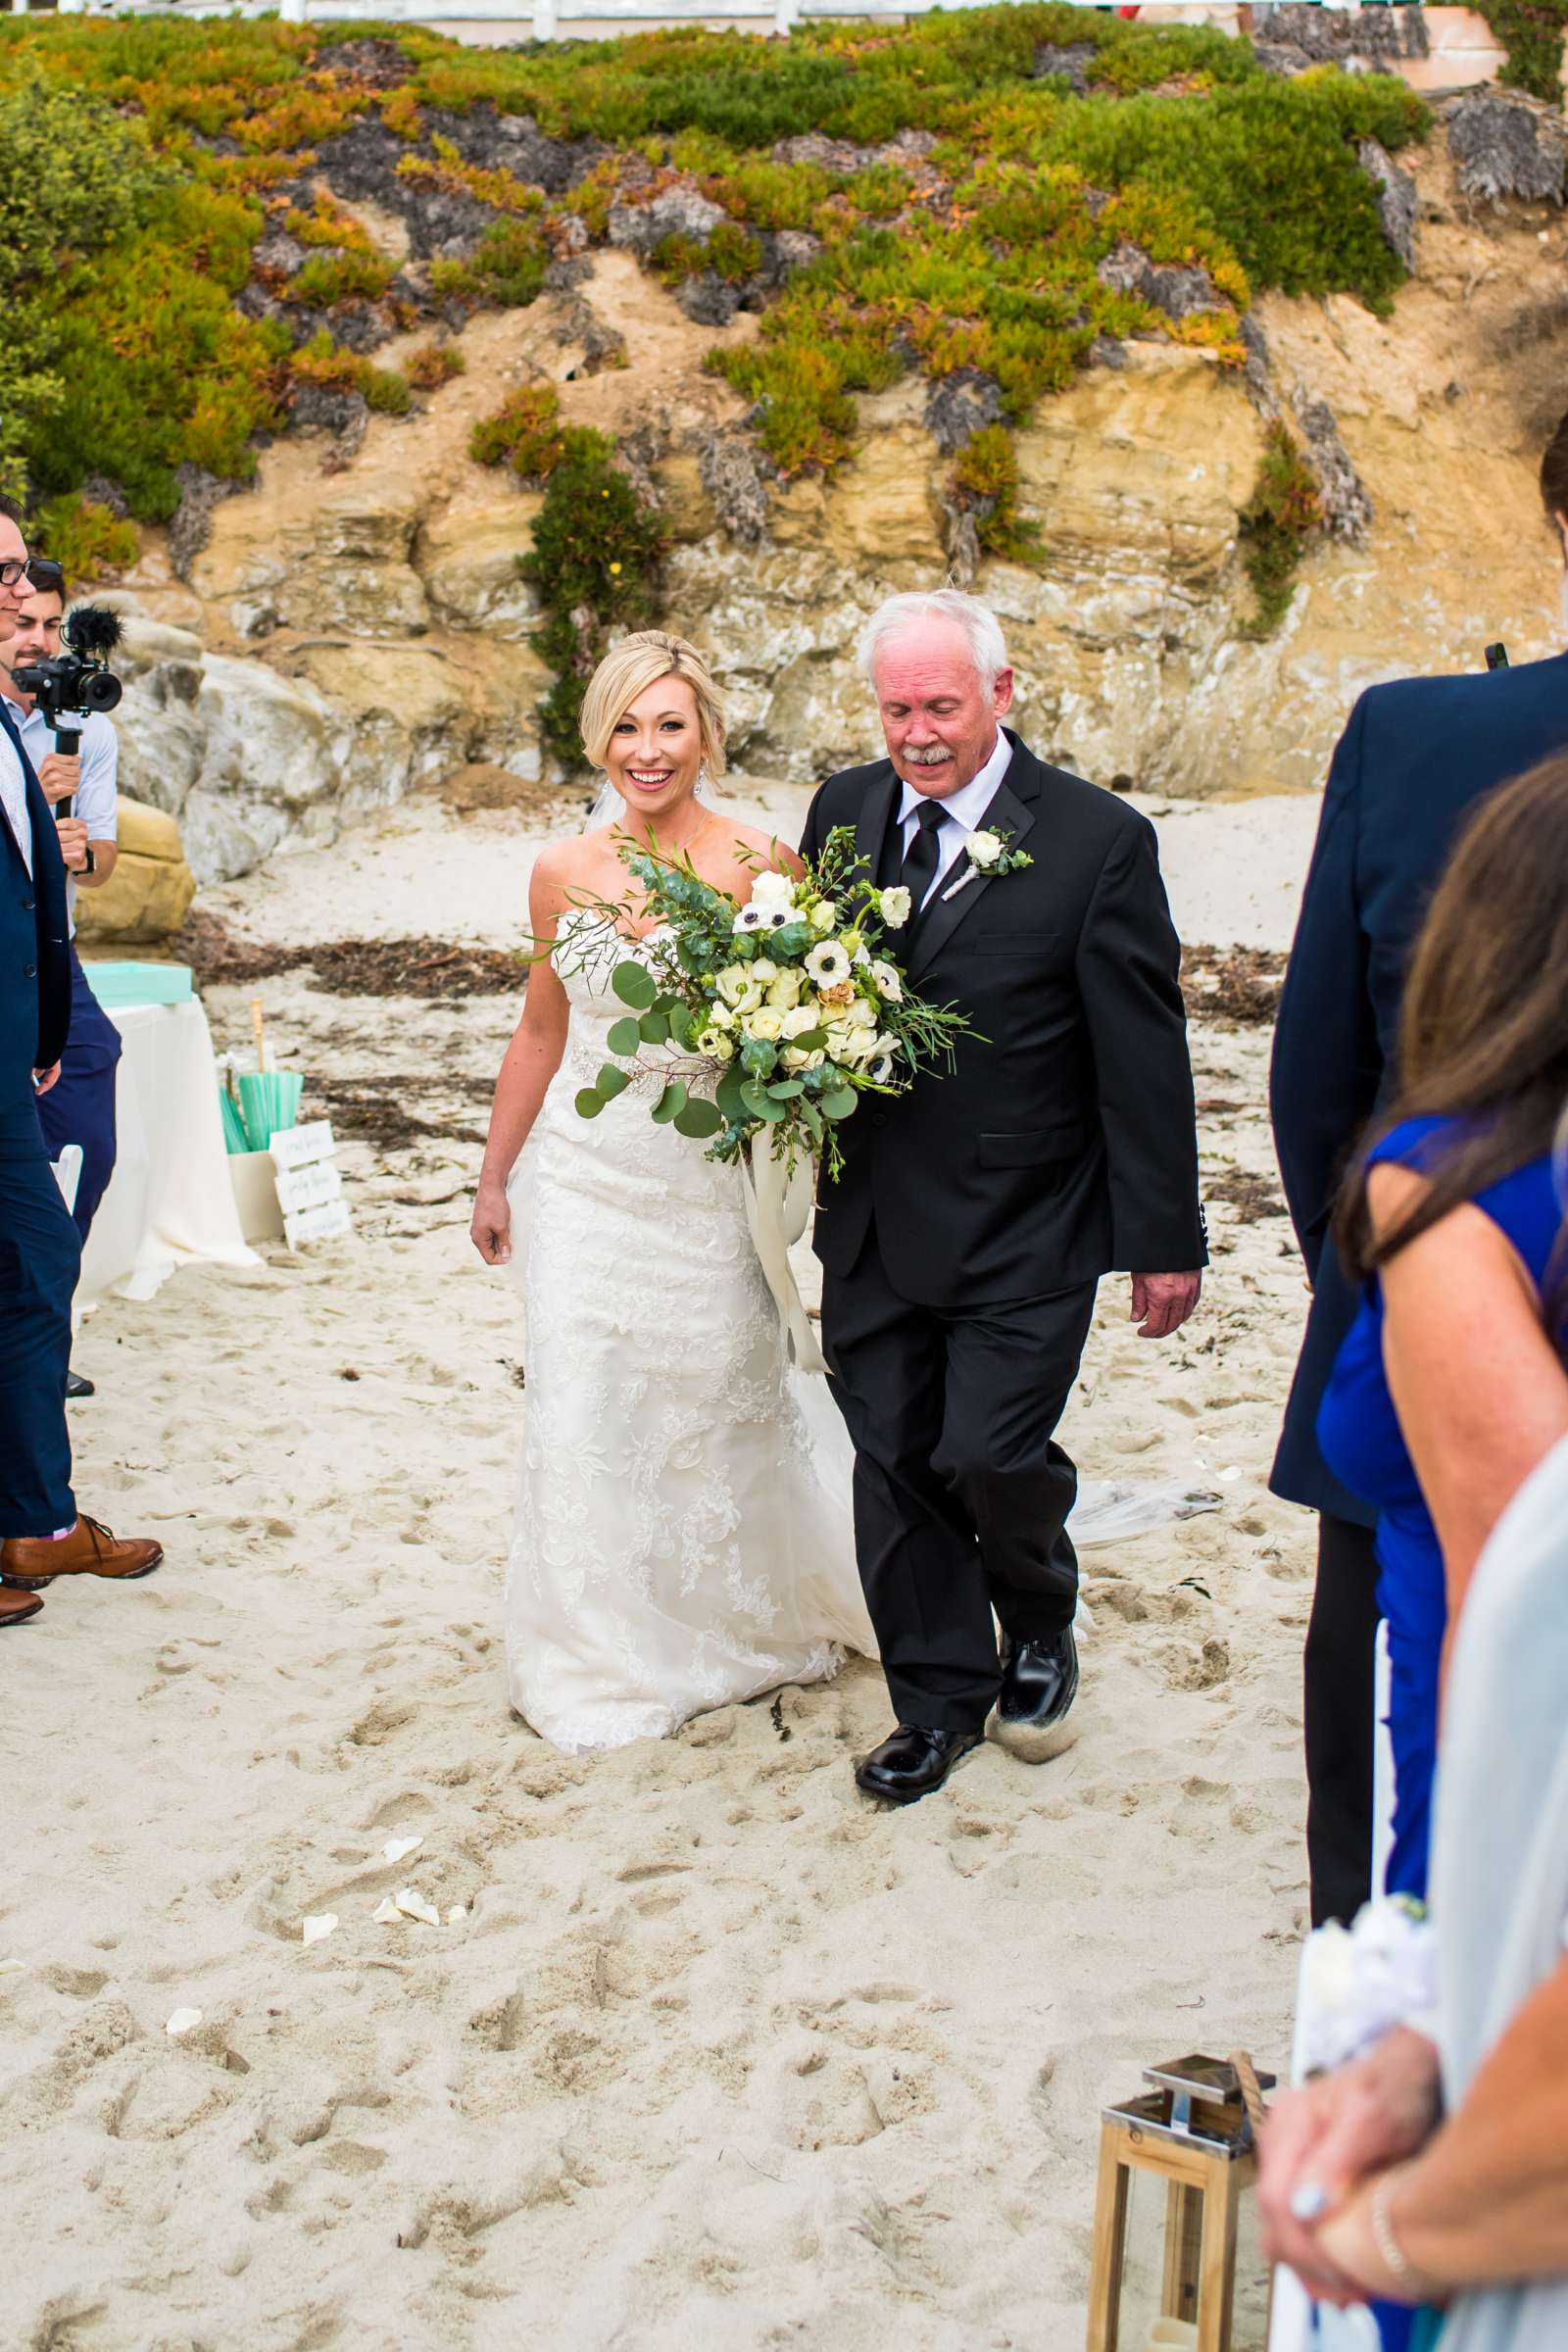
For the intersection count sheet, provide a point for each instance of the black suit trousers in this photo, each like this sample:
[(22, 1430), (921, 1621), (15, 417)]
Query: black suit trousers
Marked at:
[(961, 1493), (1340, 1692), (40, 1256)]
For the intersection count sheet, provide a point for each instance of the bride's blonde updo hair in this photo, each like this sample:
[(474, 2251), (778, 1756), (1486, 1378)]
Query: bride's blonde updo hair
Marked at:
[(642, 660)]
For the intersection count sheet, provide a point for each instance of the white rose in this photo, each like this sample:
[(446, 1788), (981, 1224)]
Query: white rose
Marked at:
[(765, 1024), (857, 1047), (764, 970), (824, 914), (984, 850), (716, 1046), (828, 964), (733, 982), (773, 891), (785, 992), (795, 1060), (896, 905), (721, 1017), (888, 983), (799, 1019), (861, 1014)]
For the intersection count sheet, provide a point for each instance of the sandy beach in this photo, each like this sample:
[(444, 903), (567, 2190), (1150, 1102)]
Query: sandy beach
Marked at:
[(717, 2054)]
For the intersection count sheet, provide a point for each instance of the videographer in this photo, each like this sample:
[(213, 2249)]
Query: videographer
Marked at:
[(42, 1535), (80, 1108)]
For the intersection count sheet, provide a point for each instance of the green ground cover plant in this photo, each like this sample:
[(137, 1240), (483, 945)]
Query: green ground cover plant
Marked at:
[(1054, 167)]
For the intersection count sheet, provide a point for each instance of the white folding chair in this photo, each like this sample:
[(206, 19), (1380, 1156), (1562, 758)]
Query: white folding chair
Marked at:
[(68, 1173)]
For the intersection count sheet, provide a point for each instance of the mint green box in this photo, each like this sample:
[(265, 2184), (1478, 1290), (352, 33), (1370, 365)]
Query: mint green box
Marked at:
[(117, 984)]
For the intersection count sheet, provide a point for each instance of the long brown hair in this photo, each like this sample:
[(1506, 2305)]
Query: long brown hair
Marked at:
[(1483, 1026)]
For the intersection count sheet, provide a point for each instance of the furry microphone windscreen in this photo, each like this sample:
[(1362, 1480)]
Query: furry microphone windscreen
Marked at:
[(92, 633)]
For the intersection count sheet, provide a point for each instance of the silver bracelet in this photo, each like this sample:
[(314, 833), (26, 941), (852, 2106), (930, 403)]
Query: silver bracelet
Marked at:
[(1393, 2254)]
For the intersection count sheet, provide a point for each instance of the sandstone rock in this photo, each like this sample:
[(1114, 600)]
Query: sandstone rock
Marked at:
[(342, 563), (148, 895), (275, 751), (481, 785), (469, 561), (1342, 36), (1507, 147), (732, 478), (1397, 202)]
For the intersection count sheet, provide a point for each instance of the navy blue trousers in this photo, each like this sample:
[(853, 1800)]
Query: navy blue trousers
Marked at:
[(79, 1107), (40, 1256)]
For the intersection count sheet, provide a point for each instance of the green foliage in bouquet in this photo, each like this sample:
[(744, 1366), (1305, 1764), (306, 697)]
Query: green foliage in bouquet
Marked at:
[(772, 1017)]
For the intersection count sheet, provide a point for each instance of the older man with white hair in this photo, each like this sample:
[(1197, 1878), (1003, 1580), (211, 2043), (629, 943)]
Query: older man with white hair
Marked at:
[(962, 1244)]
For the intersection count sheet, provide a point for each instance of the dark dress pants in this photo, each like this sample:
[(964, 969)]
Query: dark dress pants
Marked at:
[(79, 1107), (40, 1254), (961, 1493), (1339, 1696)]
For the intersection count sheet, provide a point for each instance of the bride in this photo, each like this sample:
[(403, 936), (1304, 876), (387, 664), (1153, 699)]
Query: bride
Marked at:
[(680, 1540)]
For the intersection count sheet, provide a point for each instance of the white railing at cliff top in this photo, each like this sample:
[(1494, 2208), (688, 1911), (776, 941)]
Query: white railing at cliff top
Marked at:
[(1454, 47)]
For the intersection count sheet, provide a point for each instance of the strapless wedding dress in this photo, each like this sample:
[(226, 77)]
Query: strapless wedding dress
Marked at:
[(683, 1534)]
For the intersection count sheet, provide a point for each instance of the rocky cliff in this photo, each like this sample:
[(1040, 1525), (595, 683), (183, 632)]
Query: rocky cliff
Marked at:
[(356, 624)]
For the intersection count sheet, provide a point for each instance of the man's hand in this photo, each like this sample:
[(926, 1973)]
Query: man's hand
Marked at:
[(60, 775), (1322, 2140), (72, 834), (1162, 1303), (43, 1080)]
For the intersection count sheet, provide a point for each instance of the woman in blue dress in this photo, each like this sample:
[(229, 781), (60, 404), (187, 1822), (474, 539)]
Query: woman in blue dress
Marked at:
[(1445, 1397)]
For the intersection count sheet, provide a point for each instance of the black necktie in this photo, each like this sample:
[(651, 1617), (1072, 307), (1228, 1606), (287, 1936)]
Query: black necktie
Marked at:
[(922, 857)]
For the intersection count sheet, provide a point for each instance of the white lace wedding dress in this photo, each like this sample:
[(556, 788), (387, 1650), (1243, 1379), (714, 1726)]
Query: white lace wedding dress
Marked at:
[(683, 1532)]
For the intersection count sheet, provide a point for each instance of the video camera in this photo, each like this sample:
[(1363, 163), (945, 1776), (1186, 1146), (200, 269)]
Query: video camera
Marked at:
[(73, 684)]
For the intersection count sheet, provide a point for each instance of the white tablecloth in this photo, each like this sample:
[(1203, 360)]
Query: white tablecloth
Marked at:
[(170, 1198)]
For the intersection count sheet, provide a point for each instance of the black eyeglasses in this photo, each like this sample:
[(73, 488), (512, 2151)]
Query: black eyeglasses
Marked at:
[(48, 578)]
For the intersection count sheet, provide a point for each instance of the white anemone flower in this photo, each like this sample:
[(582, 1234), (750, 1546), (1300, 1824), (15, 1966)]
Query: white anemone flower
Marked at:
[(888, 983), (828, 964), (895, 908)]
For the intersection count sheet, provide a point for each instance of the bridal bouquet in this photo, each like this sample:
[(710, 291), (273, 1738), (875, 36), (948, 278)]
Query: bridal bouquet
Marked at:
[(777, 1016)]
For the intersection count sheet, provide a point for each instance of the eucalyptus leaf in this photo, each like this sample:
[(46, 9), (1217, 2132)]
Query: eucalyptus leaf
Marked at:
[(753, 1097), (731, 1093), (611, 1082), (652, 1028), (698, 1118), (681, 1026), (791, 938), (624, 1036), (809, 1041), (784, 1088), (589, 1103), (671, 1102), (633, 984), (814, 1122), (838, 1102)]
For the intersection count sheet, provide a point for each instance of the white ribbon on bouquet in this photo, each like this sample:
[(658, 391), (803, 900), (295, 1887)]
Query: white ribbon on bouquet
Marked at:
[(778, 1205)]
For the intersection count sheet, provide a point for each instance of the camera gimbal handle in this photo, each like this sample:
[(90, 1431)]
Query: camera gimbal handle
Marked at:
[(68, 741)]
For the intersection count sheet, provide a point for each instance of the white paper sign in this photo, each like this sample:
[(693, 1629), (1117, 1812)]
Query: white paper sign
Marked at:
[(309, 1187), (317, 1224), (296, 1146)]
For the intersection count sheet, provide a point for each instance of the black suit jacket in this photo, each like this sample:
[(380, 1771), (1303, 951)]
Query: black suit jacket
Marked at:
[(1063, 1144), (35, 942), (1414, 760)]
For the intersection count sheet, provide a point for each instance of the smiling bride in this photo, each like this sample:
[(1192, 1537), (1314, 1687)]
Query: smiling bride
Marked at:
[(682, 1535)]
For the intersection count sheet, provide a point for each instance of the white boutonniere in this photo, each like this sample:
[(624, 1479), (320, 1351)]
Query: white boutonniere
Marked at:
[(988, 854)]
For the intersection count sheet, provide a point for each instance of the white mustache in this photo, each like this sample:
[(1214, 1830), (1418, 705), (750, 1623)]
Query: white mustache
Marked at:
[(931, 758)]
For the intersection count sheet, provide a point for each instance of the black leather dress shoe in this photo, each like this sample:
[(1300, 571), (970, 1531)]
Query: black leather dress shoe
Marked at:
[(76, 1386), (913, 1762), (1039, 1684)]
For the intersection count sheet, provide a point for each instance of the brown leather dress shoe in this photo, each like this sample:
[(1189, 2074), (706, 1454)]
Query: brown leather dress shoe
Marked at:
[(16, 1607), (34, 1561)]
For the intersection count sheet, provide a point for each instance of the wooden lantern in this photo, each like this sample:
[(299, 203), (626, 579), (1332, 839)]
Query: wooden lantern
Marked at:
[(1195, 2128)]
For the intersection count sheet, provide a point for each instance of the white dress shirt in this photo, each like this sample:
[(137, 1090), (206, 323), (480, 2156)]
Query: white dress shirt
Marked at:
[(97, 799), (964, 810), (14, 793)]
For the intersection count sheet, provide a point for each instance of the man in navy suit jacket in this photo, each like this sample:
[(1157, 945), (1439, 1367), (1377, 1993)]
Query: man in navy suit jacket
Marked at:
[(42, 1535), (1414, 759)]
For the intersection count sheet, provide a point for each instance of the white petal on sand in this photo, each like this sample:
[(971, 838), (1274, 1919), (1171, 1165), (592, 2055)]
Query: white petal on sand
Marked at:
[(12, 1968), (316, 1928), (412, 1905), (387, 1913), (459, 1911), (396, 1848), (181, 2022)]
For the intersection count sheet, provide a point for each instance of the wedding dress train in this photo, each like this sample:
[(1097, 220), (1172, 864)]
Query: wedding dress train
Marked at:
[(683, 1532)]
